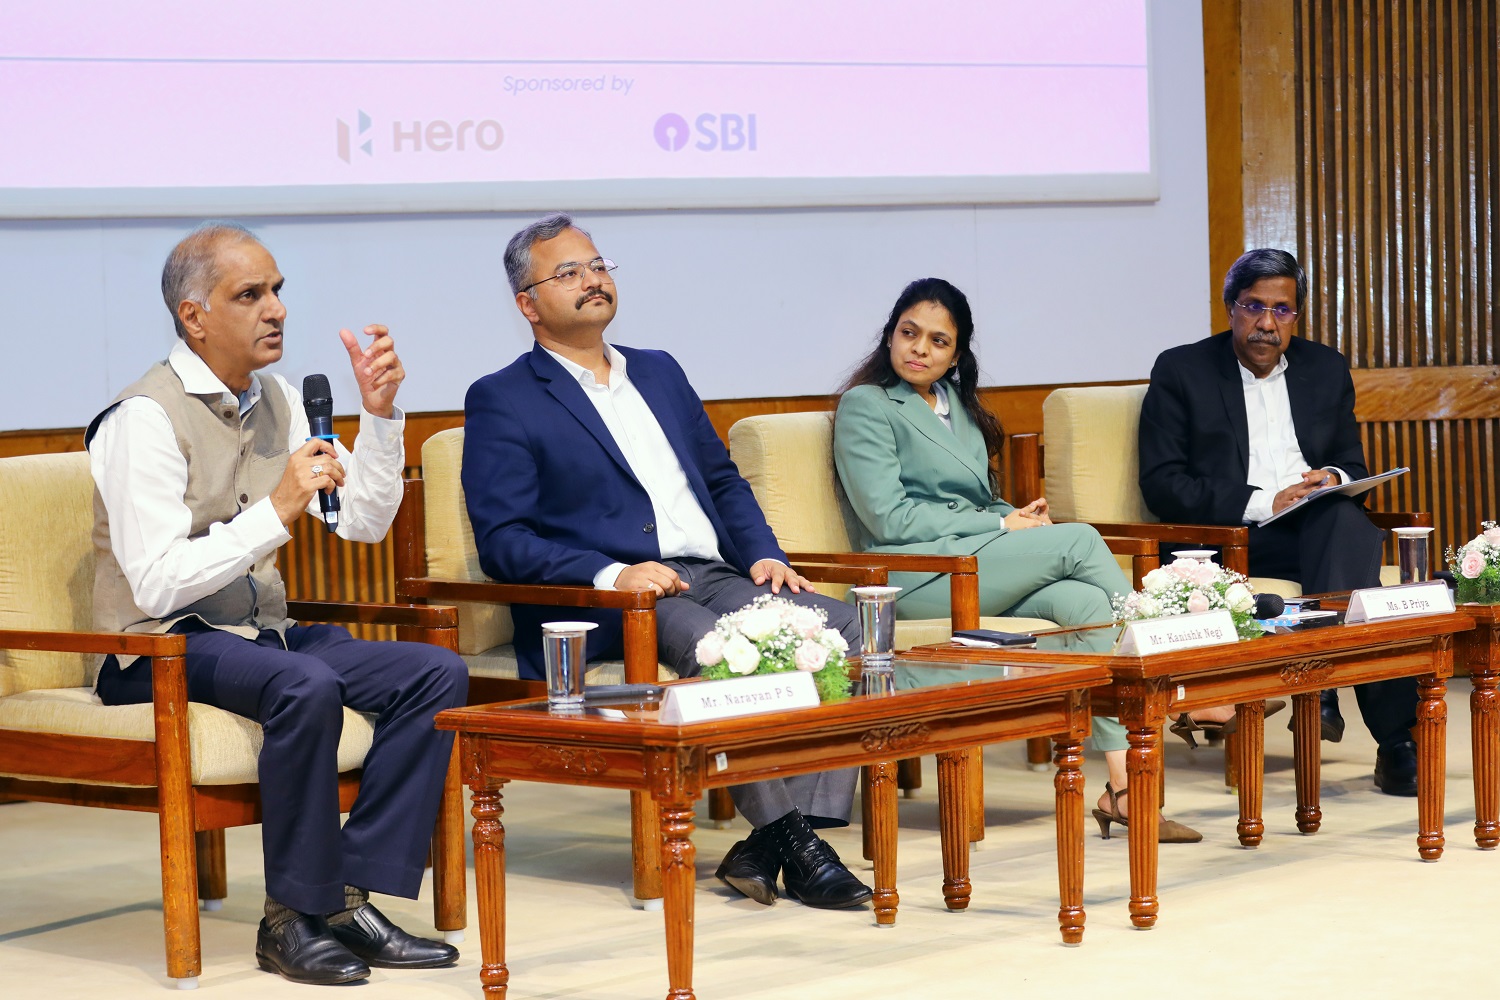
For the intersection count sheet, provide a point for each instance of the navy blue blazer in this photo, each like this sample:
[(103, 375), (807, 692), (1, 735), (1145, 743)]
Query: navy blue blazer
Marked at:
[(1194, 438), (553, 500)]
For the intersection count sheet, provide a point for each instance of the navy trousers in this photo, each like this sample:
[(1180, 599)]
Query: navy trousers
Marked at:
[(297, 694)]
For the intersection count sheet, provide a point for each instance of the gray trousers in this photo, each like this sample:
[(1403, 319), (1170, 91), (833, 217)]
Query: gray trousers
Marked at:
[(714, 589)]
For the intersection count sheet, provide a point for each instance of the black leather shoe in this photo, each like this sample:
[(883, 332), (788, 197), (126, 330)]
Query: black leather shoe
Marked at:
[(305, 952), (1396, 769), (811, 869), (751, 867), (1332, 718), (379, 942)]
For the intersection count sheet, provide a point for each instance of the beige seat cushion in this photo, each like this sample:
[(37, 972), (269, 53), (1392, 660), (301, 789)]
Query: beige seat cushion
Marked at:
[(46, 565), (1092, 470), (451, 552), (225, 747), (499, 663)]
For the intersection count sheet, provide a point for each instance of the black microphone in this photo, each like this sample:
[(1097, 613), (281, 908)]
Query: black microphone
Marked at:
[(317, 400), (1269, 606)]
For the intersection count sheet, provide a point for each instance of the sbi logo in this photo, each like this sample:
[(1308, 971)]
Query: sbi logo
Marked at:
[(724, 133)]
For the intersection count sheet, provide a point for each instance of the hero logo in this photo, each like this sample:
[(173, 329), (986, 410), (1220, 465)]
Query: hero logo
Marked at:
[(435, 136), (723, 133)]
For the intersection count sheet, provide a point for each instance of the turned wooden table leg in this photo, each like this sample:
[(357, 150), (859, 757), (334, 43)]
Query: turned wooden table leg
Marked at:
[(489, 881), (1432, 760), (645, 841), (1307, 759), (1143, 766), (880, 791), (909, 776), (677, 880), (1250, 763), (1068, 755), (954, 825), (975, 786), (1484, 714)]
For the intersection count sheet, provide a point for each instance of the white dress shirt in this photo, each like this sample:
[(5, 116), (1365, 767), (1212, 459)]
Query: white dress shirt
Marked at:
[(142, 478), (1276, 460), (682, 528)]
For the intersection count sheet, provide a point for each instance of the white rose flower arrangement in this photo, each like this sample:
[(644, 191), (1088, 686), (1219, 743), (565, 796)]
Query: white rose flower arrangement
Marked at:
[(1476, 566), (772, 635), (1191, 586)]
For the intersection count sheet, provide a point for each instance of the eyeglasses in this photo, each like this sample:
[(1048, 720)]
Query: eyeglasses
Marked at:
[(1255, 310), (570, 276)]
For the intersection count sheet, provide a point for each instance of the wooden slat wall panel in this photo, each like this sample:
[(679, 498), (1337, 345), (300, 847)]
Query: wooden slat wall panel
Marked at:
[(1398, 178)]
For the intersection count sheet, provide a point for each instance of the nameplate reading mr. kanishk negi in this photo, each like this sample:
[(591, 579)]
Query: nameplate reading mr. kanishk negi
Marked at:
[(1406, 601), (1159, 635), (704, 701)]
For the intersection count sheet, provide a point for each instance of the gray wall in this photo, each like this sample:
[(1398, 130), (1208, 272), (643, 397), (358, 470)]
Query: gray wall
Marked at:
[(752, 303)]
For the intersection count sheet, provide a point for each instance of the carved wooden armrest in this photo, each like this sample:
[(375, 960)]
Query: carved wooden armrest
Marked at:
[(417, 615), (1207, 534), (866, 576), (1389, 519), (909, 562), (488, 592), (120, 643), (1129, 546)]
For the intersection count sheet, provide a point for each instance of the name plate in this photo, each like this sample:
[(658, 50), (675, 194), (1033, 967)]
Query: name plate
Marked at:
[(1378, 603), (704, 701), (1158, 635)]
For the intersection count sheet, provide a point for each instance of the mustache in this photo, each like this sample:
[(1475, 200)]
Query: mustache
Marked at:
[(597, 293), (1265, 337)]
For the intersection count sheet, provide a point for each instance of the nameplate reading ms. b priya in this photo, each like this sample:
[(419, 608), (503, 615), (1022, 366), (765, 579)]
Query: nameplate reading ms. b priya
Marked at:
[(1158, 635), (703, 701), (1377, 603)]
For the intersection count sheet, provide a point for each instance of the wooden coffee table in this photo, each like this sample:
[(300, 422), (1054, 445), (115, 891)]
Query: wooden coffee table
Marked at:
[(945, 708), (1480, 648), (1144, 690)]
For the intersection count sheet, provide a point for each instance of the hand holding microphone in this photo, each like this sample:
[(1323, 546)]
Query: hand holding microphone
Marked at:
[(326, 472), (311, 468)]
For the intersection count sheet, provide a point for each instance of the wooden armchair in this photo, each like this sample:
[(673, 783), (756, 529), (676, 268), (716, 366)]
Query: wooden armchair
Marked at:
[(788, 460), (191, 764), (437, 559), (1093, 470)]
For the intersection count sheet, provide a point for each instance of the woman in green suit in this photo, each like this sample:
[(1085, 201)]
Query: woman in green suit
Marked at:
[(914, 450)]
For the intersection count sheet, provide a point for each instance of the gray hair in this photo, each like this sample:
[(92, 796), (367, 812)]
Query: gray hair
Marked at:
[(518, 250), (1259, 264), (192, 268)]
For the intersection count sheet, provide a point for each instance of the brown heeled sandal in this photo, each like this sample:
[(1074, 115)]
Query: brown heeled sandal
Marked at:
[(1185, 725), (1168, 831)]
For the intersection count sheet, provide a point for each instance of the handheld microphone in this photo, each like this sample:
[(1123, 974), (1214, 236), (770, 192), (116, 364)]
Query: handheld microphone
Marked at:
[(1269, 606), (317, 400)]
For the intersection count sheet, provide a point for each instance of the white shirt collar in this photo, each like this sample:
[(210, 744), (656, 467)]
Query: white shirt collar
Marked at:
[(586, 376), (199, 380), (1247, 377), (942, 407)]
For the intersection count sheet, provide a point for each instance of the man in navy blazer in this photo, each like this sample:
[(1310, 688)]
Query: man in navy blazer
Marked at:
[(591, 464), (1240, 426)]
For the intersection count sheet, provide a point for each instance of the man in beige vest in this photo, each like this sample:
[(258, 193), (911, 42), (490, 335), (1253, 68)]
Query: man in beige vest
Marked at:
[(201, 467)]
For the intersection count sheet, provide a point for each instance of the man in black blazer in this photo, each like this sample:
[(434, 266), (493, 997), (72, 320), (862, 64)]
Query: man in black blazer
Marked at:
[(587, 463), (1241, 425)]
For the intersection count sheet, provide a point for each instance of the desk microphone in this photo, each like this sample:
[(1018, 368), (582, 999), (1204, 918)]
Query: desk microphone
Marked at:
[(317, 400), (1269, 606)]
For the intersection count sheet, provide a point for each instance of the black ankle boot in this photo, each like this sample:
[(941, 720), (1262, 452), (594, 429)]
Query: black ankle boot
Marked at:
[(811, 869)]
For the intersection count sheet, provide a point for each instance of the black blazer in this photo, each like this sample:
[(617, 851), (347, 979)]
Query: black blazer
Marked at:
[(1194, 438)]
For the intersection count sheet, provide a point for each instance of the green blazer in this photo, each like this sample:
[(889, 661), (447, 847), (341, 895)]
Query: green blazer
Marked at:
[(915, 485)]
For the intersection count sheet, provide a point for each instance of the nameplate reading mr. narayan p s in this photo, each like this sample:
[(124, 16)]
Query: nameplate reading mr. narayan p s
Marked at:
[(1377, 603), (703, 701), (1158, 635)]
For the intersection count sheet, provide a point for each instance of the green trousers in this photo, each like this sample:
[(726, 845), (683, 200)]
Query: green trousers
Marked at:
[(1061, 572)]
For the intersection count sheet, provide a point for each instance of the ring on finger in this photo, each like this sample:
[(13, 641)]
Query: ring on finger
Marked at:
[(317, 470)]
